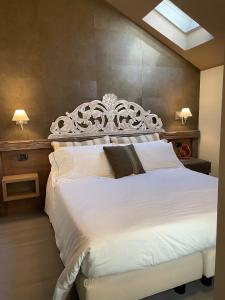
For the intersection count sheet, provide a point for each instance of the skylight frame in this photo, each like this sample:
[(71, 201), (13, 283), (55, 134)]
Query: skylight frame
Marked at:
[(176, 16), (194, 36)]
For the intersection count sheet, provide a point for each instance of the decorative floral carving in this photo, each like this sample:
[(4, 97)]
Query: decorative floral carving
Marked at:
[(109, 116)]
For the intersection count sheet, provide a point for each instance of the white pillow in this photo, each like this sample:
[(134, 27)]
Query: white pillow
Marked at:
[(80, 161), (157, 155)]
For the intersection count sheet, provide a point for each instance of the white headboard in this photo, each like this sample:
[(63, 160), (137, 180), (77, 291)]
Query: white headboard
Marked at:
[(109, 116)]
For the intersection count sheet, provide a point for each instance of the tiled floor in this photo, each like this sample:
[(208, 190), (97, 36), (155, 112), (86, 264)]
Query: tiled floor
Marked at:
[(30, 263)]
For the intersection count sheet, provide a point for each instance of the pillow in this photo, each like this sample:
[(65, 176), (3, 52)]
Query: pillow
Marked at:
[(157, 155), (135, 139), (123, 160), (80, 161), (98, 141)]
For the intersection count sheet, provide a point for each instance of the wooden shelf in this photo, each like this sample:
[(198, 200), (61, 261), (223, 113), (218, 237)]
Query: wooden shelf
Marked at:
[(22, 186)]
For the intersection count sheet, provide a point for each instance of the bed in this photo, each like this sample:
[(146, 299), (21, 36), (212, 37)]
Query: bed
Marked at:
[(133, 237)]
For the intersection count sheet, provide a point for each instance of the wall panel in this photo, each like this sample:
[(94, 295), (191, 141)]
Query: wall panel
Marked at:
[(56, 54)]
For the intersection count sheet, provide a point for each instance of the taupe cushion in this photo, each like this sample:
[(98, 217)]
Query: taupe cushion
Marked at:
[(135, 139), (123, 160)]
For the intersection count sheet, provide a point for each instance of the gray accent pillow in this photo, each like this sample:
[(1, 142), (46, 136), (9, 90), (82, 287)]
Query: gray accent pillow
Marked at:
[(123, 160)]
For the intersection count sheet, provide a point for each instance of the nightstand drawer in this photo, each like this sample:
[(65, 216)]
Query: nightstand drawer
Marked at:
[(24, 161)]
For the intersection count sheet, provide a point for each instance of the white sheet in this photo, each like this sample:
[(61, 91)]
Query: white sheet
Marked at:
[(107, 226)]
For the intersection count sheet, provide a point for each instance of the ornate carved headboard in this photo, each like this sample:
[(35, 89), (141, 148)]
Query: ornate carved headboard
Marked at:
[(107, 116)]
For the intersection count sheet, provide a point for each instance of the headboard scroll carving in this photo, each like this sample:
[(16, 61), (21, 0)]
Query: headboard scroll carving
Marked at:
[(109, 116)]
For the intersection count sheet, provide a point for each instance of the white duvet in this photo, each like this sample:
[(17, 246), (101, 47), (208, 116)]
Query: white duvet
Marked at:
[(105, 226)]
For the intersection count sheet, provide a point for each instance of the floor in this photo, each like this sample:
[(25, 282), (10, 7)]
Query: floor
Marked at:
[(30, 263)]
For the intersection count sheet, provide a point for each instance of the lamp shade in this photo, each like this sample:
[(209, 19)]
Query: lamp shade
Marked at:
[(20, 115), (185, 112)]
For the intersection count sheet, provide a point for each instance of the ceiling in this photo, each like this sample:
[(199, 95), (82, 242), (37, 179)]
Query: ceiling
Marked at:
[(210, 14)]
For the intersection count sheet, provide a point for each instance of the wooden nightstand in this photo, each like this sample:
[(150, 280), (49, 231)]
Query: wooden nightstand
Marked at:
[(18, 187), (198, 165)]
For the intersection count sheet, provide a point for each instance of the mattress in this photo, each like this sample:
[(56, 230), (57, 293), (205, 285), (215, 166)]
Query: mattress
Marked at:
[(135, 222)]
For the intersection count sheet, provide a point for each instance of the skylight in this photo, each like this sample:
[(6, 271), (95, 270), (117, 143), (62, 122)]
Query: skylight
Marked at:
[(177, 26), (176, 16)]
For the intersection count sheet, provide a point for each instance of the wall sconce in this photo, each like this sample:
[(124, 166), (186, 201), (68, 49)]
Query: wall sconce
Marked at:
[(20, 117), (183, 115)]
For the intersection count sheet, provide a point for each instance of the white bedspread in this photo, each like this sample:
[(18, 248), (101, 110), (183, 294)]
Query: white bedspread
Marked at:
[(106, 226)]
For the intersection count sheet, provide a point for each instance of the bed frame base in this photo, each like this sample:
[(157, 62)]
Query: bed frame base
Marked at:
[(140, 284)]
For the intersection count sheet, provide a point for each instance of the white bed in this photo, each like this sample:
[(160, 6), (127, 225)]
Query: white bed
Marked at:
[(132, 223), (133, 237)]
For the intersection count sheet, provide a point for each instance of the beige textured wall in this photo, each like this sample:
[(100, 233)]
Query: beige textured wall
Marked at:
[(56, 54), (211, 88)]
